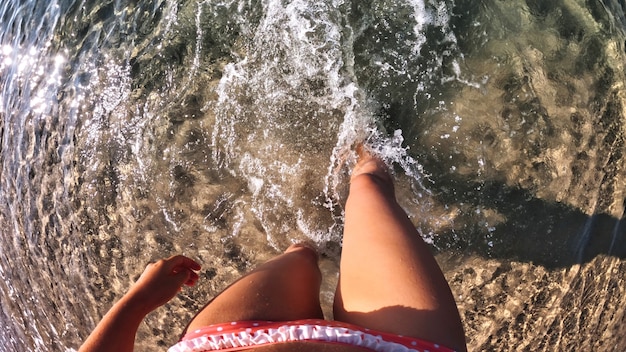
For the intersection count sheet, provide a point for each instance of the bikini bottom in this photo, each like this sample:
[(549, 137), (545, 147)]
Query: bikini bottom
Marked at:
[(237, 336)]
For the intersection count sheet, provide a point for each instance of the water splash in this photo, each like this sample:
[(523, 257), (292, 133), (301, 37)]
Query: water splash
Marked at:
[(297, 98)]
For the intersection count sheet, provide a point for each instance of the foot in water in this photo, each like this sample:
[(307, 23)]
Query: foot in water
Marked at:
[(369, 163)]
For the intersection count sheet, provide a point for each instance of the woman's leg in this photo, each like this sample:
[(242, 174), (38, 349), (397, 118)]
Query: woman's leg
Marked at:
[(284, 288), (389, 280)]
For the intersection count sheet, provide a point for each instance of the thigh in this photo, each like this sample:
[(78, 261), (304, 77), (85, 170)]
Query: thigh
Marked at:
[(284, 288), (389, 280)]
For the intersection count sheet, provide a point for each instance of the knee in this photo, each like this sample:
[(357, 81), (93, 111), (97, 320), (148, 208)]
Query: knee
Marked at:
[(304, 250), (303, 262)]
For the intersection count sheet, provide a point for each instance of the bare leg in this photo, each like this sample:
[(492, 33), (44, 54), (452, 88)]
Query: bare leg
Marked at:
[(284, 288), (389, 280)]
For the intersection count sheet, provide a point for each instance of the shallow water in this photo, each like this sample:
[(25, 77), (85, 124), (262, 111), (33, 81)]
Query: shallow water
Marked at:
[(223, 130)]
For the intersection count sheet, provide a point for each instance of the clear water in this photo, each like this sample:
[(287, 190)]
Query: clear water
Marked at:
[(223, 130)]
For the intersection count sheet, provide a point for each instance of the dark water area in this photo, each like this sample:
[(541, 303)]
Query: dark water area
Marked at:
[(224, 130)]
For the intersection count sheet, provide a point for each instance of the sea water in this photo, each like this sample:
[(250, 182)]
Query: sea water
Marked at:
[(225, 131)]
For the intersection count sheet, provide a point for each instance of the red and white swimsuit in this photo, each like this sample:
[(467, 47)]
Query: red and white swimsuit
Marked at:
[(236, 336)]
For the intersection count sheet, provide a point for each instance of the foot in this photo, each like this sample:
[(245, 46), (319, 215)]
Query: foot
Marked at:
[(370, 164)]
